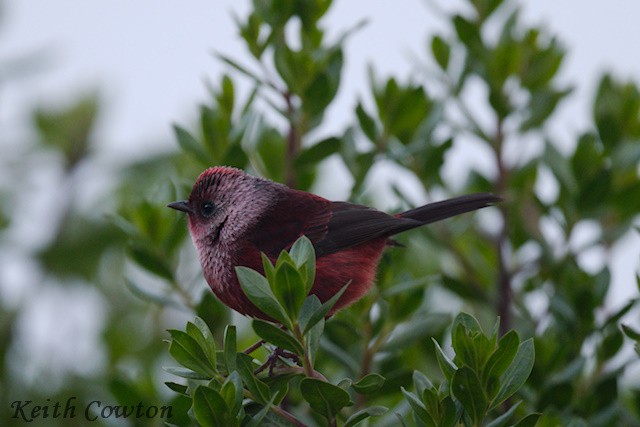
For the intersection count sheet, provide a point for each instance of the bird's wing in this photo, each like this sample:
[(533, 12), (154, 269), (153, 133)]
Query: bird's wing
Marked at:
[(331, 226), (335, 226), (295, 213), (351, 225)]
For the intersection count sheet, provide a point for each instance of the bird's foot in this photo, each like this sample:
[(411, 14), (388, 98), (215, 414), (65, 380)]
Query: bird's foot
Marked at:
[(276, 358)]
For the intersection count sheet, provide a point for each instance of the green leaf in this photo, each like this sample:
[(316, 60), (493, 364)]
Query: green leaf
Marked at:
[(505, 60), (310, 305), (463, 289), (421, 382), (467, 353), (431, 402), (269, 269), (542, 104), (369, 384), (257, 419), (313, 336), (284, 257), (517, 373), (277, 336), (236, 66), (232, 392), (145, 295), (612, 341), (561, 168), (258, 389), (441, 51), (468, 340), (228, 393), (485, 8), (303, 254), (614, 318), (466, 387), (345, 383), (615, 111), (209, 408), (226, 97), (230, 347), (447, 366), (325, 398), (323, 87), (503, 420), (317, 152), (178, 388), (469, 34), (290, 67), (418, 408), (449, 413), (256, 288), (69, 130), (529, 421), (500, 360), (151, 262), (542, 64), (200, 331), (186, 351), (468, 321), (367, 124), (363, 414), (289, 288), (185, 373), (400, 419), (416, 330), (320, 313), (630, 332), (189, 144)]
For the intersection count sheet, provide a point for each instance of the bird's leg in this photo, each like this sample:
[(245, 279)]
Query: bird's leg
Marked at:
[(277, 354), (273, 359)]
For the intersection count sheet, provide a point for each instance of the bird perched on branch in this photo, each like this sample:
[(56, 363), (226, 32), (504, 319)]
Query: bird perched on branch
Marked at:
[(233, 217)]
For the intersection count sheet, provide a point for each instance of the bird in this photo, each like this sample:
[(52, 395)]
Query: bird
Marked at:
[(233, 217)]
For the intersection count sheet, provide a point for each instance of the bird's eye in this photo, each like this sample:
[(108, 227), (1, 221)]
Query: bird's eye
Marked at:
[(207, 209)]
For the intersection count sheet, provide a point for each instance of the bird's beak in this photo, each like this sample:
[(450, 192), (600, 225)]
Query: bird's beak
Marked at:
[(181, 205)]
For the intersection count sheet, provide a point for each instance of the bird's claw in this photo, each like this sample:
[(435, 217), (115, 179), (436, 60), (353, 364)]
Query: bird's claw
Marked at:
[(273, 359)]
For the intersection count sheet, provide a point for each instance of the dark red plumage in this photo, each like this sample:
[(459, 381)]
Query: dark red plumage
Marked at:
[(233, 217)]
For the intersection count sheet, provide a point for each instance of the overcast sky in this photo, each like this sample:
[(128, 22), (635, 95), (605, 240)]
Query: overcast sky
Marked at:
[(149, 57)]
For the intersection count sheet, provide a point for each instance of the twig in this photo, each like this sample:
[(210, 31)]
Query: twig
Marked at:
[(505, 293)]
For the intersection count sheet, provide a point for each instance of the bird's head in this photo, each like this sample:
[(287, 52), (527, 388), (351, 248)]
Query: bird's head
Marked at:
[(223, 203)]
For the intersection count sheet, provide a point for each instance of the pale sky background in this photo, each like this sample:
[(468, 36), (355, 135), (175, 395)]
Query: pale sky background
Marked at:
[(149, 59)]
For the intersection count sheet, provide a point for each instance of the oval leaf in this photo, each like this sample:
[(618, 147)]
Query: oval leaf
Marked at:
[(467, 389), (325, 398), (277, 336), (256, 288), (186, 351), (369, 384), (289, 288), (502, 357), (230, 347), (517, 373), (373, 411), (418, 408), (209, 408)]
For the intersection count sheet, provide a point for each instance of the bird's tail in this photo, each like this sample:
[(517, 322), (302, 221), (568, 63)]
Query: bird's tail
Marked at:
[(447, 208)]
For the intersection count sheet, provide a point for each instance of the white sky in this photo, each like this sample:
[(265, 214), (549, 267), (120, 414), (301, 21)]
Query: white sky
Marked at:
[(149, 57)]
